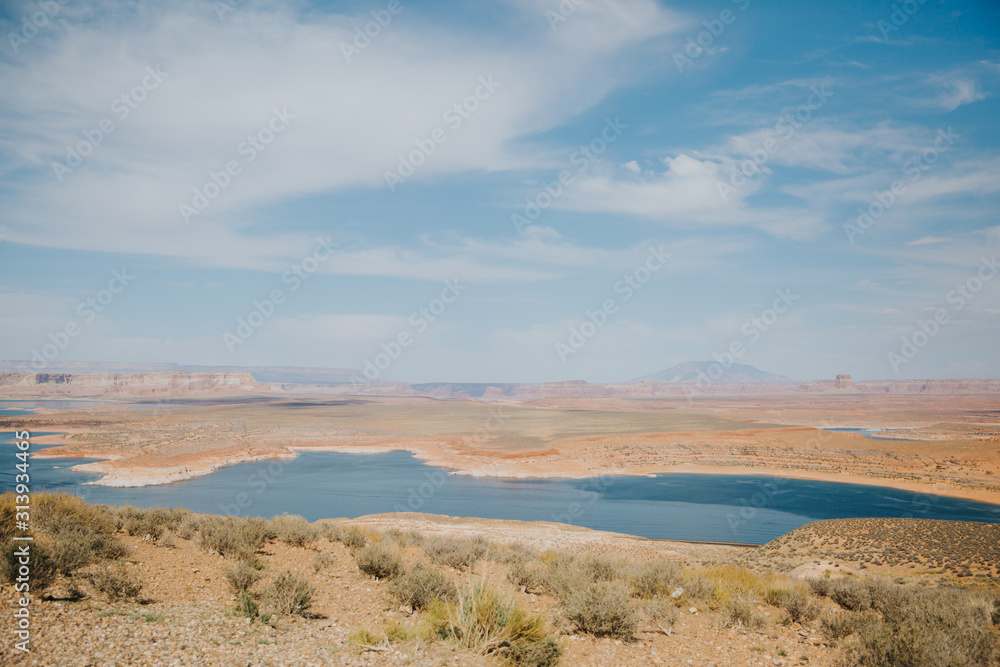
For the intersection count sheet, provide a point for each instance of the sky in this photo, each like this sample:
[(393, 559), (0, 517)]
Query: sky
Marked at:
[(506, 191)]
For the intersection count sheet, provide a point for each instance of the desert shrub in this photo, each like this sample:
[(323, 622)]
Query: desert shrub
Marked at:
[(288, 594), (456, 553), (382, 560), (76, 545), (42, 568), (144, 525), (508, 554), (800, 606), (699, 587), (294, 530), (850, 594), (241, 577), (529, 576), (421, 586), (838, 626), (187, 528), (603, 608), (741, 611), (332, 532), (563, 574), (353, 537), (600, 568), (235, 537), (489, 623), (321, 561), (821, 586), (395, 535), (8, 511), (655, 578), (246, 605), (117, 582), (916, 627), (153, 521), (69, 555), (51, 508), (661, 614)]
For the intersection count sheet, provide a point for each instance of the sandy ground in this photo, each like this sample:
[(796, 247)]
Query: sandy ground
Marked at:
[(184, 618), (941, 445)]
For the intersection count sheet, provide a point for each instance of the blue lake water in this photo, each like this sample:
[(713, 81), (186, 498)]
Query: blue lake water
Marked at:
[(871, 433), (23, 407), (723, 508)]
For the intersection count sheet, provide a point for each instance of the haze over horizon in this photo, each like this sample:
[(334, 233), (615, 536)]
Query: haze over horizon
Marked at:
[(232, 159)]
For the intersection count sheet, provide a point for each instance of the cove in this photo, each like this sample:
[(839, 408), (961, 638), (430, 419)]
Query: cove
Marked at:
[(720, 508)]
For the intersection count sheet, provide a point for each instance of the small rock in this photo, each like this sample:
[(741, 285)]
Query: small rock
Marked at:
[(693, 610)]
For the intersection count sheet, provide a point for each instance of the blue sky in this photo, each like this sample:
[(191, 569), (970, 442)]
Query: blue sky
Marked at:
[(823, 111)]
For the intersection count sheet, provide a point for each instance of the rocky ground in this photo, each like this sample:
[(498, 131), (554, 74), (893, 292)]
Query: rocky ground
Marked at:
[(185, 612)]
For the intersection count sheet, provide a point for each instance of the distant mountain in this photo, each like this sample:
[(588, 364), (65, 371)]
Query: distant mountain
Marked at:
[(691, 371)]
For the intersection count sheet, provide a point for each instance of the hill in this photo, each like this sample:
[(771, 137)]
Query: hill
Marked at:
[(695, 371), (949, 549)]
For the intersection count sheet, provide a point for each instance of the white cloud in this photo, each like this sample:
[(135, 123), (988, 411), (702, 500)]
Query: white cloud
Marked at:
[(930, 240), (224, 79), (687, 194), (953, 90)]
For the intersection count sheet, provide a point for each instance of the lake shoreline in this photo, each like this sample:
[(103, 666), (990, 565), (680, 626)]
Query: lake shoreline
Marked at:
[(142, 476)]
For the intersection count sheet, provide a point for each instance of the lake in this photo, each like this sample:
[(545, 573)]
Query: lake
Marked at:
[(721, 508)]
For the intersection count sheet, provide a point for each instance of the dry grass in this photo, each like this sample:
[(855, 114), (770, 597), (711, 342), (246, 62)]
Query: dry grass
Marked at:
[(488, 622)]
